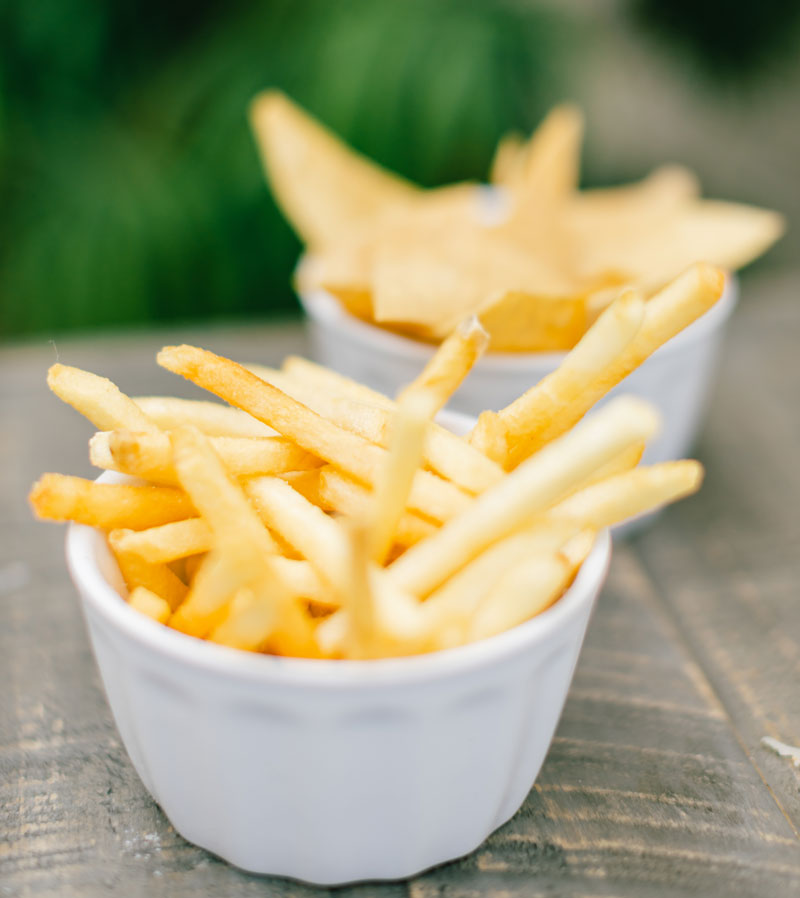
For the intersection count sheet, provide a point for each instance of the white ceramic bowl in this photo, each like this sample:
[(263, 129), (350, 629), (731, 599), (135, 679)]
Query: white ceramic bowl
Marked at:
[(332, 771), (677, 378)]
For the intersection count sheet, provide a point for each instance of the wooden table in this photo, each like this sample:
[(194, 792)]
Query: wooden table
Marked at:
[(656, 783)]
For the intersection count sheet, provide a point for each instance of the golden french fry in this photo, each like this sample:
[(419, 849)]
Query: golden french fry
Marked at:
[(248, 623), (108, 506), (316, 536), (531, 488), (324, 188), (156, 577), (267, 615), (169, 542), (409, 427), (431, 495), (304, 482), (148, 603), (444, 453), (320, 379), (362, 630), (448, 367), (451, 607), (97, 399), (211, 418), (191, 565), (342, 494), (666, 314), (218, 578), (629, 494), (150, 455), (510, 435), (525, 590)]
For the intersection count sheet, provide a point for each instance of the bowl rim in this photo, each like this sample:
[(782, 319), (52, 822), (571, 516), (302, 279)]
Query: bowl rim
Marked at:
[(103, 600), (323, 308)]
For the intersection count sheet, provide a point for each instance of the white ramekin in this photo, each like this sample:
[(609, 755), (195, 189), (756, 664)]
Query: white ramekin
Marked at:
[(332, 771), (677, 378)]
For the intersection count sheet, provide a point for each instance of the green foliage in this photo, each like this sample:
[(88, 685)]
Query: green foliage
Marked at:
[(129, 185)]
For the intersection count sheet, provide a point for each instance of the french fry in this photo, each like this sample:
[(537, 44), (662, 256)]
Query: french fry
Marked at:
[(191, 565), (248, 624), (430, 494), (527, 589), (317, 537), (451, 607), (532, 487), (665, 315), (211, 418), (448, 367), (324, 380), (169, 542), (149, 604), (150, 455), (342, 494), (267, 616), (362, 630), (304, 482), (410, 424), (108, 506), (444, 453), (509, 436), (218, 578), (97, 399), (156, 577), (629, 494), (241, 542)]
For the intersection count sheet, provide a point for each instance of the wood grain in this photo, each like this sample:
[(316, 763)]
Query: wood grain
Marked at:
[(656, 784)]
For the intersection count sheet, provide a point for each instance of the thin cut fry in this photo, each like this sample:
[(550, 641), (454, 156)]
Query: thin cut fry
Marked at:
[(452, 606), (527, 589), (156, 577), (169, 542), (666, 314), (629, 494), (509, 436), (150, 455), (410, 424), (149, 604), (107, 506), (444, 453), (532, 487), (430, 494), (449, 365), (98, 399), (342, 494), (211, 418), (362, 630)]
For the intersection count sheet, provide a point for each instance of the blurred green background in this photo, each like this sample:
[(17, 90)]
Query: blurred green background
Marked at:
[(130, 190)]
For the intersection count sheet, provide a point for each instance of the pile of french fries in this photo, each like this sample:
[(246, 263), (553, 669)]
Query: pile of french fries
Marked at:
[(311, 516), (536, 259)]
